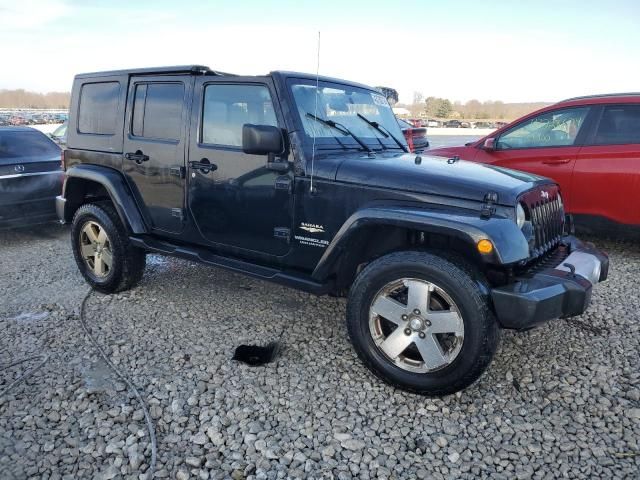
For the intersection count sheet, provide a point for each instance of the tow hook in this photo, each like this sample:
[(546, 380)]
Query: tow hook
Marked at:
[(572, 269)]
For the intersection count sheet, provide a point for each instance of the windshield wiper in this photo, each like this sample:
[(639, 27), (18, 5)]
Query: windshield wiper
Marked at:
[(383, 130), (341, 128)]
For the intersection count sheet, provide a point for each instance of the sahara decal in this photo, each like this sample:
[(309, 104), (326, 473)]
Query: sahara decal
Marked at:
[(312, 227)]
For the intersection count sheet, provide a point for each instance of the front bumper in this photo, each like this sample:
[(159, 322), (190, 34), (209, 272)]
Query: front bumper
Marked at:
[(558, 291)]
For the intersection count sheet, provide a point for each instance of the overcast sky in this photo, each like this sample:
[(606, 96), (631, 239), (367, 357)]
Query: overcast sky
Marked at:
[(489, 50)]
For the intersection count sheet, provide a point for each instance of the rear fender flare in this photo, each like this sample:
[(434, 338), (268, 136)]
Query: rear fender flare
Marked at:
[(510, 245), (117, 188)]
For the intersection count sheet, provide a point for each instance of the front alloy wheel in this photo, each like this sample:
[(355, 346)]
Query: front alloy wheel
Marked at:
[(416, 325), (422, 322)]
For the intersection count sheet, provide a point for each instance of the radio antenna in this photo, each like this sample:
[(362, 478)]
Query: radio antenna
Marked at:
[(315, 113)]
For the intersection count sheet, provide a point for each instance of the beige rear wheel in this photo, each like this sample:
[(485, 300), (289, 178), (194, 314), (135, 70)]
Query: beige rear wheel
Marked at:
[(103, 251), (95, 247)]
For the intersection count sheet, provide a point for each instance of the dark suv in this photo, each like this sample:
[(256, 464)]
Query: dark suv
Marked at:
[(308, 182)]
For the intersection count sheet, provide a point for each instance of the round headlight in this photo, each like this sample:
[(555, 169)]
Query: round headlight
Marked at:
[(520, 216)]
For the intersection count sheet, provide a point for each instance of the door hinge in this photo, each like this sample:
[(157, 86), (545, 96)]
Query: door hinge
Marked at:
[(283, 182), (177, 172), (177, 212), (282, 233)]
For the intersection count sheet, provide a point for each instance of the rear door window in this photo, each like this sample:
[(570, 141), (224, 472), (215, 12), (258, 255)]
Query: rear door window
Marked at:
[(16, 145), (619, 125), (157, 111)]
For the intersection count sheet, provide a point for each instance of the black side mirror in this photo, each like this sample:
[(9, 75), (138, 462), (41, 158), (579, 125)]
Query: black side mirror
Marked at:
[(262, 139)]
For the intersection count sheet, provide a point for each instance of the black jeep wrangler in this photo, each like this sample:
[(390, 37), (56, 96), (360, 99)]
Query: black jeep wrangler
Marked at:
[(307, 182)]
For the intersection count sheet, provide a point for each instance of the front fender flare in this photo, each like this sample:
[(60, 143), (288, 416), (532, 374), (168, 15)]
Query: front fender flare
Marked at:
[(117, 188), (510, 245)]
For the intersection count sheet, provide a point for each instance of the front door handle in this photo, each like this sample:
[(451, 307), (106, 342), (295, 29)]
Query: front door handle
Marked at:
[(204, 165), (556, 161), (137, 157)]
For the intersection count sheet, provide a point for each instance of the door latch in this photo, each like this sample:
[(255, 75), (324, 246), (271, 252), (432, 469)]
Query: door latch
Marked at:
[(204, 165), (137, 157)]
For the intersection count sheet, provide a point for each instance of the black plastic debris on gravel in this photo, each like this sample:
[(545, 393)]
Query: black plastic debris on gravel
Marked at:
[(256, 355)]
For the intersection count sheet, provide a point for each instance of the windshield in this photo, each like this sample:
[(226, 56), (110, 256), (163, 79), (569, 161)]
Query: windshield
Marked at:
[(345, 105), (60, 131)]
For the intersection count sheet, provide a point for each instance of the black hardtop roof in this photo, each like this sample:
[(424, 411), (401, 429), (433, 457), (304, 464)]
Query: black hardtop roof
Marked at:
[(312, 76), (204, 70), (193, 69)]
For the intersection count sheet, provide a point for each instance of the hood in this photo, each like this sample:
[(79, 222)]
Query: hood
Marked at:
[(436, 176)]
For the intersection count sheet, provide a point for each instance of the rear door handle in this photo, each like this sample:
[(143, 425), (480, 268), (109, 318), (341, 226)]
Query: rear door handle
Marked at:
[(204, 165), (556, 161), (137, 157)]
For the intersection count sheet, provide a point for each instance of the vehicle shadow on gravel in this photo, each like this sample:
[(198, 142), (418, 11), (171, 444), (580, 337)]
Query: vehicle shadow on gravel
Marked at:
[(19, 236)]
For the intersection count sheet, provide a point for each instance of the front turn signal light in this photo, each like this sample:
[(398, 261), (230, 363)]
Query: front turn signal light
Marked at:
[(485, 246)]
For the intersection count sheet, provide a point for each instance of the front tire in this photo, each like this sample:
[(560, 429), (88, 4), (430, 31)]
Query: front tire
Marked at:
[(421, 322), (103, 253)]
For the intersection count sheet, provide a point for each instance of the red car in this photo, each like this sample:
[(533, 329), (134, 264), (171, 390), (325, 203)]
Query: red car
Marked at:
[(589, 145), (416, 137)]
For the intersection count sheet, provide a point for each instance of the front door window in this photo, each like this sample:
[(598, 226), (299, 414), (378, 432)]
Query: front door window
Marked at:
[(558, 128), (228, 107)]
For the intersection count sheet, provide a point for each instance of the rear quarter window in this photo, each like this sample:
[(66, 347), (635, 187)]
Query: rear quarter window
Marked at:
[(98, 108), (25, 144)]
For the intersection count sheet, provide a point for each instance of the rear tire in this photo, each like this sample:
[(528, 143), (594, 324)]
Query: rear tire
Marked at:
[(103, 253), (421, 322)]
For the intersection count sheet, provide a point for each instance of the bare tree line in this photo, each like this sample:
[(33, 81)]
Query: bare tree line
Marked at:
[(21, 98), (434, 107)]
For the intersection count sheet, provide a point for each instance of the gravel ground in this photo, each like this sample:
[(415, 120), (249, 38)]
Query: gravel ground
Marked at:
[(561, 401)]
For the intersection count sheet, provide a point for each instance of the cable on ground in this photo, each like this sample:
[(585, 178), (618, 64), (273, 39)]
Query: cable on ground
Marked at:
[(26, 374), (132, 387)]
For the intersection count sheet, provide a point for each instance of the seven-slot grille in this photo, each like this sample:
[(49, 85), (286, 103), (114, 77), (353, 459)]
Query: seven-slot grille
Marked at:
[(546, 213)]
